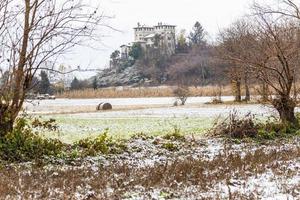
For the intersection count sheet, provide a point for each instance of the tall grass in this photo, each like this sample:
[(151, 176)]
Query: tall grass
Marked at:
[(129, 92)]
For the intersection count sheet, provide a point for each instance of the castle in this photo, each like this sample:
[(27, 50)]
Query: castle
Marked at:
[(146, 37)]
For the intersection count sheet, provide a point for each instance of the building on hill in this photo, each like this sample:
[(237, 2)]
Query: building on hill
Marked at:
[(125, 49), (161, 35)]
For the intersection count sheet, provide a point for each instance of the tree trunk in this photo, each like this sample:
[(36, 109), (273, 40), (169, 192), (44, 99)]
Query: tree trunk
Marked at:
[(236, 87), (286, 109), (264, 92), (238, 97), (247, 90)]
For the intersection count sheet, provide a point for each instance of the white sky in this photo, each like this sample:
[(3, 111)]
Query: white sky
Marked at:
[(212, 14)]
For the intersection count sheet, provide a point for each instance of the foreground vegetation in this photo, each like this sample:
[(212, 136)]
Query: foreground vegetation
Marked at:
[(167, 167), (230, 163)]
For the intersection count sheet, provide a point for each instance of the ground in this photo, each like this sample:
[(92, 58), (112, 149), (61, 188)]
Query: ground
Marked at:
[(199, 169), (153, 167), (79, 119)]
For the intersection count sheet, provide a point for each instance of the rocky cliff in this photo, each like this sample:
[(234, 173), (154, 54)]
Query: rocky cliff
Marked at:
[(130, 76)]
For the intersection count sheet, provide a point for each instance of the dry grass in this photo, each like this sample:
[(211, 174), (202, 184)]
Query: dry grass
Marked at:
[(129, 92), (160, 91)]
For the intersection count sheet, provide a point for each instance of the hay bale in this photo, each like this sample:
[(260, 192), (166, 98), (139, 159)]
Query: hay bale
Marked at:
[(104, 106), (175, 103), (99, 106)]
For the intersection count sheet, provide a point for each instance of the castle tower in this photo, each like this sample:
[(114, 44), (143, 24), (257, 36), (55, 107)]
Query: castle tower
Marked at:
[(167, 33), (140, 32)]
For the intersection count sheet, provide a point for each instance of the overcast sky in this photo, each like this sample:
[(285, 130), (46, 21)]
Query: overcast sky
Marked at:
[(212, 14)]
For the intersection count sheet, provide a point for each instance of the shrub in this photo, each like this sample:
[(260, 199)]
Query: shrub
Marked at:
[(182, 94), (235, 126), (101, 144), (275, 129), (216, 100), (170, 146), (176, 135), (217, 96), (49, 124), (241, 127), (22, 144)]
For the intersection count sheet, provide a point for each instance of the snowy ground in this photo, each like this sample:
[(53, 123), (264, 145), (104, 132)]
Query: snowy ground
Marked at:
[(78, 119), (140, 107), (200, 169)]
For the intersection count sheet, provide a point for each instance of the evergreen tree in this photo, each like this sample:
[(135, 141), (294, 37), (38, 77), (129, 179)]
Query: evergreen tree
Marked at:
[(75, 84), (136, 51), (44, 84), (95, 84), (114, 57), (197, 36)]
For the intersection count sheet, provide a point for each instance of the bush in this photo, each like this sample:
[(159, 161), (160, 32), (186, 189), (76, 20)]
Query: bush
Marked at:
[(182, 94), (216, 100), (237, 127), (22, 144), (170, 146), (276, 129), (217, 96), (49, 124), (176, 135), (101, 144)]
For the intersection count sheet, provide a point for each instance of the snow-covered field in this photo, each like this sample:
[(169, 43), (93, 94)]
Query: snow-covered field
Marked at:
[(77, 118), (141, 107), (200, 169)]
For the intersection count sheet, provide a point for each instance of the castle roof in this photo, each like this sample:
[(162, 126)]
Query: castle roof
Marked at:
[(153, 27), (144, 27), (164, 25)]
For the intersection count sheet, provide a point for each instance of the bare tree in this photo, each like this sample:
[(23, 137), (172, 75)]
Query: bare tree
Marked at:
[(32, 34), (192, 68), (270, 49), (287, 8), (233, 44)]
